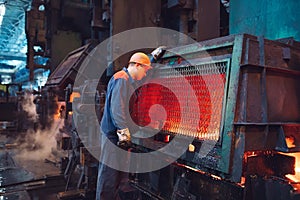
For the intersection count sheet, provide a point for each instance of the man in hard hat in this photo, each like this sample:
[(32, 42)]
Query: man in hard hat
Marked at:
[(115, 123)]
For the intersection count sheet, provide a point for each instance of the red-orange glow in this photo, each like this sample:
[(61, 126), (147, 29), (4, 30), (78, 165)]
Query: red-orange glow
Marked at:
[(60, 110), (290, 142), (209, 91), (74, 95), (295, 177), (167, 138)]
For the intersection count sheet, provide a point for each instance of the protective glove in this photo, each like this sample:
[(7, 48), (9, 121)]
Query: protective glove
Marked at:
[(124, 138), (158, 53), (124, 135)]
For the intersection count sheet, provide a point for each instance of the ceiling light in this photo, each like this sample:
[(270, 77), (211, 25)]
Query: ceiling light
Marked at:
[(2, 12)]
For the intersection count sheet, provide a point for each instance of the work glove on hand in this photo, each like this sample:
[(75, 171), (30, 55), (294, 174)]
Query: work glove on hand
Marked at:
[(124, 138), (158, 53)]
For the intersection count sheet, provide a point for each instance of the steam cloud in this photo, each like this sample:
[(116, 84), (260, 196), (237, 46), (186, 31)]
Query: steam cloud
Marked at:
[(37, 144), (29, 107)]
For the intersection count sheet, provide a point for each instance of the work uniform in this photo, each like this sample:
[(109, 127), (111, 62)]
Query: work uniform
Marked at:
[(116, 116)]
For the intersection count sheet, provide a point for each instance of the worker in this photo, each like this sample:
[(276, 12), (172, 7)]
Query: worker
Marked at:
[(115, 125)]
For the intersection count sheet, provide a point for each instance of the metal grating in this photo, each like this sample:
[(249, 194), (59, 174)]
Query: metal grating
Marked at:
[(206, 83)]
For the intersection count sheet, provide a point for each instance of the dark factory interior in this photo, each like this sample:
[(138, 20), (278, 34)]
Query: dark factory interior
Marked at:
[(218, 114)]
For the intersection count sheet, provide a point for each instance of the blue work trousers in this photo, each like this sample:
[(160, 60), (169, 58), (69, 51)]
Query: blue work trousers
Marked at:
[(109, 179)]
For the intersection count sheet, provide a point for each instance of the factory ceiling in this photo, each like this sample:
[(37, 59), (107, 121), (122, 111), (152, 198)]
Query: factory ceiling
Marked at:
[(13, 44)]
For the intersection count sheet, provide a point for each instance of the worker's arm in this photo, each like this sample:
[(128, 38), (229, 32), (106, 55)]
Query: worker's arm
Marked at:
[(120, 108)]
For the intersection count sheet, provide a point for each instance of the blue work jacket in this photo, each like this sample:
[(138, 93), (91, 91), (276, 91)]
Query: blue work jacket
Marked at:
[(116, 116)]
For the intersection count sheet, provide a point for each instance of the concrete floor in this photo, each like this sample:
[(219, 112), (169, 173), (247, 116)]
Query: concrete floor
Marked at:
[(26, 177)]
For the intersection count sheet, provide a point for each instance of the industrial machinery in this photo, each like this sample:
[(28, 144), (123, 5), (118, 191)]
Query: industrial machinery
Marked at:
[(56, 99), (246, 90), (235, 99), (9, 109), (13, 105)]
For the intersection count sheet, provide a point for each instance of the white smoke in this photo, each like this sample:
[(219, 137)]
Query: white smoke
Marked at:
[(29, 107), (39, 144)]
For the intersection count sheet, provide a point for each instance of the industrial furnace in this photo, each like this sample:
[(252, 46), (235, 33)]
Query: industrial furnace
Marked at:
[(248, 95), (240, 114)]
